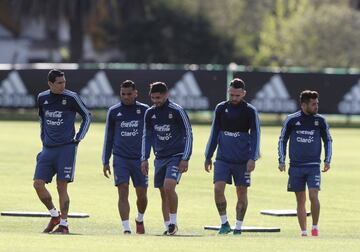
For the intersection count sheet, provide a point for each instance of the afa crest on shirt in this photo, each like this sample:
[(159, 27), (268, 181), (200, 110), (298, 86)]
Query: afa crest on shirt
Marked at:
[(138, 111), (63, 102), (316, 123), (170, 115)]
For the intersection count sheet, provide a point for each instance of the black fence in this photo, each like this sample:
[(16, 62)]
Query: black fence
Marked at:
[(196, 90)]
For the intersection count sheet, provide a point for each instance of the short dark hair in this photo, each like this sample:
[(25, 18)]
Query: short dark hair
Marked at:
[(307, 95), (128, 84), (158, 87), (237, 83), (53, 74)]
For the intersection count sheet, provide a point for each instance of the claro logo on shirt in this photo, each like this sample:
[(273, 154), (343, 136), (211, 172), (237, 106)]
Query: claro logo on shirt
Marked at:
[(13, 92), (305, 136)]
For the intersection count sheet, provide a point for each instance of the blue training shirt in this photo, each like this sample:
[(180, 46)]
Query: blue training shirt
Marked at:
[(305, 133), (123, 131), (57, 114), (236, 132), (168, 130)]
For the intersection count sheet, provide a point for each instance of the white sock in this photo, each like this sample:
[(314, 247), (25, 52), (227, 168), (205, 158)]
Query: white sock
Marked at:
[(173, 218), (238, 225), (315, 227), (140, 217), (166, 224), (54, 212), (63, 222), (126, 225), (223, 218), (303, 232)]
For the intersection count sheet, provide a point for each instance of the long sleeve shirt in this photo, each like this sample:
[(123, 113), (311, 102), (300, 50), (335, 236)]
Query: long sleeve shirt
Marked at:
[(235, 131), (57, 113), (123, 131), (167, 129), (305, 133)]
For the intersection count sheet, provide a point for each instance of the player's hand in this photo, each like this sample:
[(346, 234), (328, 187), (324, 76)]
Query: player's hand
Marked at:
[(326, 167), (183, 166), (208, 165), (250, 166), (107, 170), (145, 167), (282, 167)]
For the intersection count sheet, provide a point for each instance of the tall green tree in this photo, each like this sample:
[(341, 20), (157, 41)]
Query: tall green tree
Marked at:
[(312, 35)]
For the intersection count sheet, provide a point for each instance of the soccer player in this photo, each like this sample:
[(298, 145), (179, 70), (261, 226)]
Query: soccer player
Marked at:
[(57, 110), (167, 129), (236, 132), (305, 128), (123, 136)]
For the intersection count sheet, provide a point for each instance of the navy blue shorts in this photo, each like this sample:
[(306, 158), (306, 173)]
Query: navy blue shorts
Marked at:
[(166, 168), (300, 176), (125, 168), (56, 160), (224, 171)]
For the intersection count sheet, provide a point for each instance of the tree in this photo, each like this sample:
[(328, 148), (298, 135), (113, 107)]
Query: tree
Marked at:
[(312, 35), (76, 13), (166, 34)]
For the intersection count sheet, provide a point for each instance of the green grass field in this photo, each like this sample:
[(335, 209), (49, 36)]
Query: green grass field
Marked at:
[(94, 194)]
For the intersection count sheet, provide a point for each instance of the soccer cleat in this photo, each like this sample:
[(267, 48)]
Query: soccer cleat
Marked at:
[(165, 232), (61, 230), (127, 232), (172, 229), (303, 234), (237, 232), (54, 221), (314, 232), (225, 228), (140, 229)]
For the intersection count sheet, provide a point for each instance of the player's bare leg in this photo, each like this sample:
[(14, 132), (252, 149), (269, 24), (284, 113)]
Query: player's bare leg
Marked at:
[(64, 202), (124, 206), (301, 210), (123, 202), (43, 194), (241, 206), (172, 202), (45, 197), (315, 210), (220, 201), (141, 202), (165, 208), (219, 194)]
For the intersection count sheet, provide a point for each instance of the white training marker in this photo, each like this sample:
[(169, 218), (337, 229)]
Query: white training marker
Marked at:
[(247, 229), (282, 212), (41, 214)]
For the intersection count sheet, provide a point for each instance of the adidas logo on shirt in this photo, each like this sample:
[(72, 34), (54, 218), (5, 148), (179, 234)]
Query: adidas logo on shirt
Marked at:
[(153, 117), (98, 92), (13, 92), (187, 93), (274, 97), (119, 114), (297, 123), (350, 103), (46, 102)]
